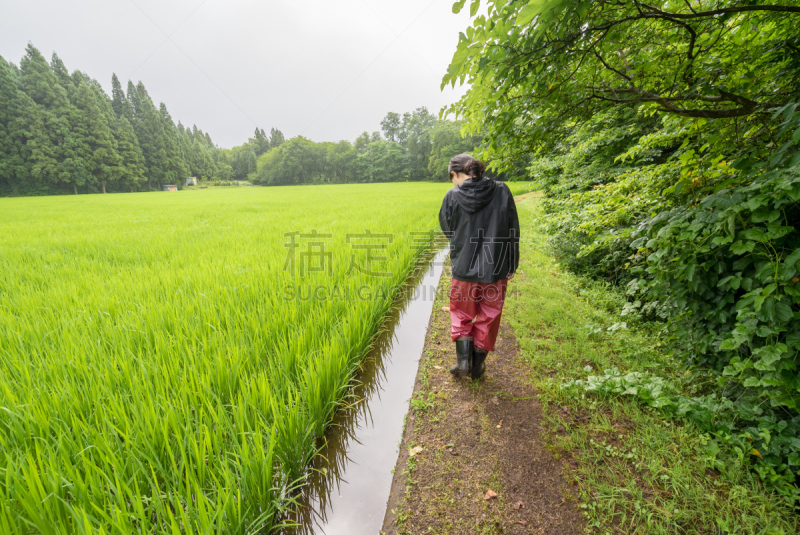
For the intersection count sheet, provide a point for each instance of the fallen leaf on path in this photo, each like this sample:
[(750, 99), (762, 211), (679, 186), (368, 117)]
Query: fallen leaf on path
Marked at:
[(490, 494), (522, 523), (437, 367), (446, 309), (519, 505), (415, 450), (500, 424)]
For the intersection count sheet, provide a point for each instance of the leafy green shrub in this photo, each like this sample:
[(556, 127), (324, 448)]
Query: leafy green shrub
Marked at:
[(711, 247), (727, 267), (595, 201), (765, 439), (591, 231)]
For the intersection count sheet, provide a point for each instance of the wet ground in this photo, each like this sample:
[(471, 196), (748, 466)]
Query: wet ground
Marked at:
[(350, 485)]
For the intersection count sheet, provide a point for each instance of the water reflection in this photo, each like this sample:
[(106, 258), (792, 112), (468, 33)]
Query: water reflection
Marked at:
[(349, 485)]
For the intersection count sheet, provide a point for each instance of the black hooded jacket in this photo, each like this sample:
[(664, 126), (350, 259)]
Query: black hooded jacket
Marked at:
[(479, 218)]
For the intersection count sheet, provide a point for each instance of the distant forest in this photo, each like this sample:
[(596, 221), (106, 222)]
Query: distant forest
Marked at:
[(61, 133), (414, 146)]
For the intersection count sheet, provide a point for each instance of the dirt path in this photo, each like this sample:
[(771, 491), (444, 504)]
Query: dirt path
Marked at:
[(476, 436)]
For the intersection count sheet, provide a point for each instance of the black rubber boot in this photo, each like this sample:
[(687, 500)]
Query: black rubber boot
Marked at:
[(478, 366), (464, 351)]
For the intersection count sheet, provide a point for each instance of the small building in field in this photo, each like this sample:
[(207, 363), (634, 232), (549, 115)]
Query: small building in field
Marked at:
[(169, 187), (191, 181)]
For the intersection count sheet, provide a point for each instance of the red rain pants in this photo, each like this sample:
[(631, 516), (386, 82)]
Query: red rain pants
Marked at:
[(475, 309)]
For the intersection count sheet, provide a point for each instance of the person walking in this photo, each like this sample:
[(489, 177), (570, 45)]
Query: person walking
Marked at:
[(479, 217)]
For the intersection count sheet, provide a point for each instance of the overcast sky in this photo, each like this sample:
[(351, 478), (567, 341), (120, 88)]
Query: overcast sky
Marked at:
[(325, 69)]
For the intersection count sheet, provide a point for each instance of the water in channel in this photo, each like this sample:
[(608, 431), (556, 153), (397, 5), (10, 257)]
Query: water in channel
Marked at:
[(348, 490)]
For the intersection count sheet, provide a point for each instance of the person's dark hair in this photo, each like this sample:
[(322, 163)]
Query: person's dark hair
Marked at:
[(464, 163)]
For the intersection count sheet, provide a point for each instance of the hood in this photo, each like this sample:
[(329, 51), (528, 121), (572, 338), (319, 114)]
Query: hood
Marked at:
[(474, 194)]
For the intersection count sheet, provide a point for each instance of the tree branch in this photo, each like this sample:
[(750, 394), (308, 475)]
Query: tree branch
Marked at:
[(724, 96), (724, 11), (711, 114), (747, 106), (610, 68)]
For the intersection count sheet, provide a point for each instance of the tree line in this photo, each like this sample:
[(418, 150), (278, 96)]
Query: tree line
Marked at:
[(61, 133), (413, 146)]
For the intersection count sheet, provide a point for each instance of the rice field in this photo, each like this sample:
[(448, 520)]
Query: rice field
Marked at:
[(168, 360)]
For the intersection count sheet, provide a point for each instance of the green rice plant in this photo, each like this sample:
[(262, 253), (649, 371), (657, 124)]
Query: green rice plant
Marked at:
[(162, 366)]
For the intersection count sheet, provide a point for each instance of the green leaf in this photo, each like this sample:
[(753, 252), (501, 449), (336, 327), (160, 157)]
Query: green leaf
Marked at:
[(769, 289), (473, 7), (751, 381), (768, 356), (742, 247), (729, 344), (458, 5), (724, 281), (792, 258), (783, 312), (765, 214), (756, 234), (690, 271), (737, 365), (796, 136), (789, 110), (530, 11), (721, 240), (583, 9), (459, 58), (744, 164)]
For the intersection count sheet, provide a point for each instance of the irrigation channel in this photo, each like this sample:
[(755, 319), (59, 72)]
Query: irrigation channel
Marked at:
[(349, 485)]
